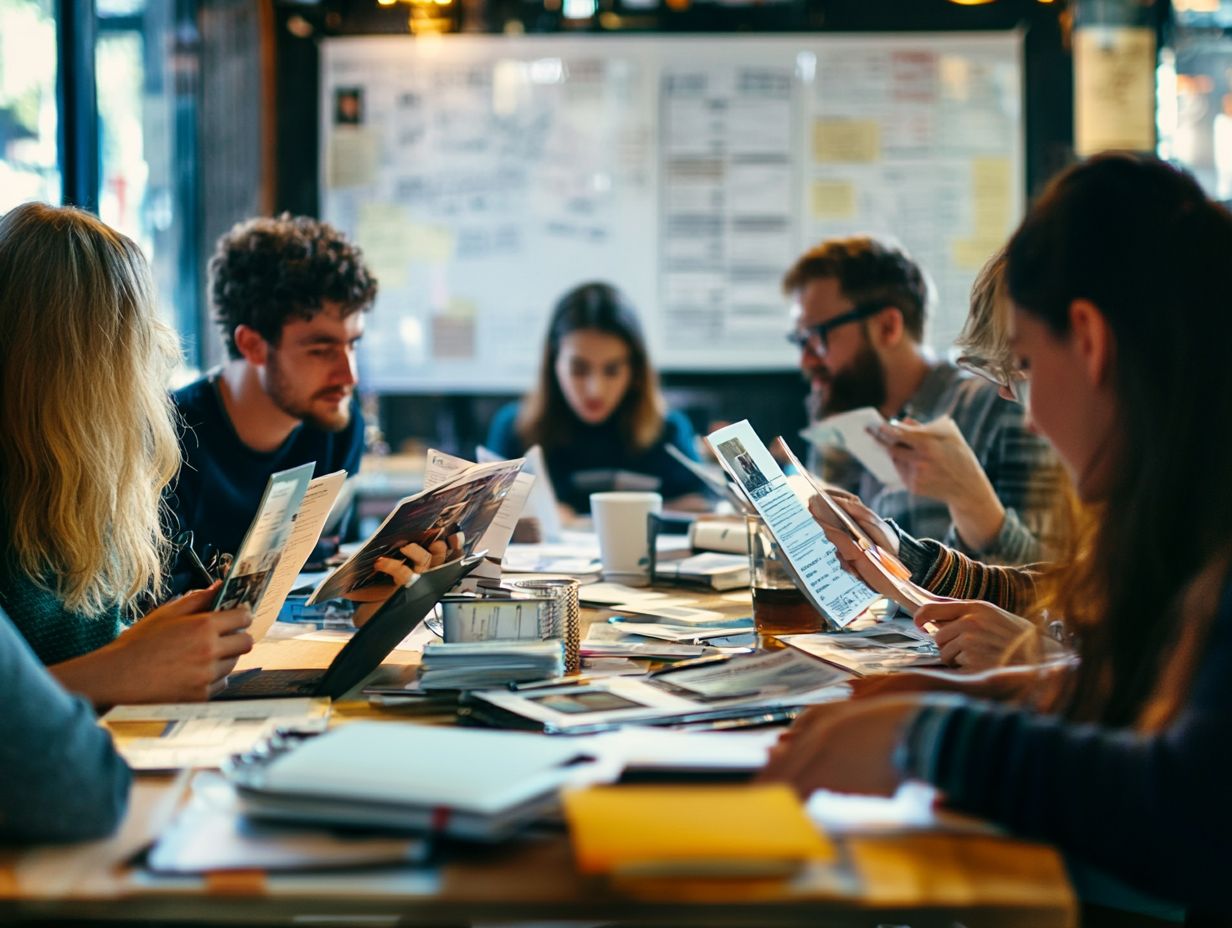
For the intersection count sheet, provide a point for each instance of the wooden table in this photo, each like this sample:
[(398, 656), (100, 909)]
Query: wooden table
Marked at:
[(921, 880)]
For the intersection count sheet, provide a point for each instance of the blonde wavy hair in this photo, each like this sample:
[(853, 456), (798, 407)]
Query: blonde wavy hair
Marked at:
[(88, 441)]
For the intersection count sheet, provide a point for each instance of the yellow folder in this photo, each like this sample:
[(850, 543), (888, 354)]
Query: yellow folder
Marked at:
[(684, 830)]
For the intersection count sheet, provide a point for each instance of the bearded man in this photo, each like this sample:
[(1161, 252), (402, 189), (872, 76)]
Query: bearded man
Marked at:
[(289, 295)]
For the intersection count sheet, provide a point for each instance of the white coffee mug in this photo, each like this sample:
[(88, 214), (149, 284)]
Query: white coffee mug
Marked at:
[(620, 523)]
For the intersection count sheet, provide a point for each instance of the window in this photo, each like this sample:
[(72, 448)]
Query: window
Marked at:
[(29, 163)]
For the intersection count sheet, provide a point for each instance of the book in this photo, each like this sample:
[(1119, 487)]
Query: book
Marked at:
[(416, 778), (690, 830)]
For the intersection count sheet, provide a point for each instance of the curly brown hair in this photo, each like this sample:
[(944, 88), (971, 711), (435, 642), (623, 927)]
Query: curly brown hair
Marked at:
[(268, 270), (867, 270)]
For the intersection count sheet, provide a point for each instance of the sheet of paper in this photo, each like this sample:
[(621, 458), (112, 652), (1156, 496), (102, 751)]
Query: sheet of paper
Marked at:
[(665, 632), (207, 734), (443, 467), (253, 567), (884, 648), (610, 594), (822, 579), (314, 509), (905, 592), (849, 431), (542, 503), (210, 833)]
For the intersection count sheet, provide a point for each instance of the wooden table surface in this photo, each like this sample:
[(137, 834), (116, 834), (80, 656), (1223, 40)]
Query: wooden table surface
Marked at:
[(924, 879)]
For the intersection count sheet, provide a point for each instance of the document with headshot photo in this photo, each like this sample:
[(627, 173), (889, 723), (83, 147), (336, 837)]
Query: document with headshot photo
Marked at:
[(835, 593)]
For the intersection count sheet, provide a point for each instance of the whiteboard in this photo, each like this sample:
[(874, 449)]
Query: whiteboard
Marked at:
[(483, 176)]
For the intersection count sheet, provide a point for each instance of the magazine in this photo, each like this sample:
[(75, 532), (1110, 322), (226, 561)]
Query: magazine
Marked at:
[(457, 512)]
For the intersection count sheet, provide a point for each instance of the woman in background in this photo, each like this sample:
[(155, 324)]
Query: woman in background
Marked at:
[(1127, 372), (86, 447), (597, 409)]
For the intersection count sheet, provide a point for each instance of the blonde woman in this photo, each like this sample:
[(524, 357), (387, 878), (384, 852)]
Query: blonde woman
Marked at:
[(87, 447)]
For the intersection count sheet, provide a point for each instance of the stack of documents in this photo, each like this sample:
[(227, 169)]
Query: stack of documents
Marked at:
[(712, 569), (480, 664)]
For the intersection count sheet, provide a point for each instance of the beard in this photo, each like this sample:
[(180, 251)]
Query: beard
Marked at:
[(281, 390), (861, 383)]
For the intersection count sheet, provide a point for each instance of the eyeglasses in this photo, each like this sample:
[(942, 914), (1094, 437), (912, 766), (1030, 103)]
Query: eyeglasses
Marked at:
[(815, 337), (216, 564), (1012, 383)]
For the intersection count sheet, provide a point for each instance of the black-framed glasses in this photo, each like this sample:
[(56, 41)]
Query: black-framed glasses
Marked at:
[(814, 337), (1012, 382), (213, 566)]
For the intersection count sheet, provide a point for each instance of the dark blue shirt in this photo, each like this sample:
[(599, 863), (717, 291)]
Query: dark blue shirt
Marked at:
[(600, 449), (221, 479)]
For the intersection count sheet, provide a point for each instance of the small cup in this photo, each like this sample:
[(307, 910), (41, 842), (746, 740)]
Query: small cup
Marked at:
[(624, 542), (779, 608)]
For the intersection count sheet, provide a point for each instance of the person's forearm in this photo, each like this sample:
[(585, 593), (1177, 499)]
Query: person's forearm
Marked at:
[(978, 517), (97, 676)]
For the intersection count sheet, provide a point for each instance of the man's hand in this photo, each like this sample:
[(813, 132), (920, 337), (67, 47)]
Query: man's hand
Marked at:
[(843, 746), (935, 460), (403, 573), (177, 653)]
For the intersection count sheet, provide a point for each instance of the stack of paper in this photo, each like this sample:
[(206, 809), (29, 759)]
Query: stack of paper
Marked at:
[(712, 569), (479, 664)]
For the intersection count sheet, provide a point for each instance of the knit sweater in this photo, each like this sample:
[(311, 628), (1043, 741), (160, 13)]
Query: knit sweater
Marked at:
[(1149, 808), (55, 633)]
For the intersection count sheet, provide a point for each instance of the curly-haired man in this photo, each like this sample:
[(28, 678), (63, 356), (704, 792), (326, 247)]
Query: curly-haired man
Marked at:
[(289, 295)]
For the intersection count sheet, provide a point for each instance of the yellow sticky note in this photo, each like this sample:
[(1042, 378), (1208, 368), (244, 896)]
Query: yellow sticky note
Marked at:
[(848, 141), (681, 830), (971, 253), (381, 233), (429, 244), (352, 157), (833, 199), (992, 196)]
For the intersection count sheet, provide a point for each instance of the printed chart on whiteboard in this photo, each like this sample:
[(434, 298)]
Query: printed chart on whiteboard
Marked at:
[(484, 176)]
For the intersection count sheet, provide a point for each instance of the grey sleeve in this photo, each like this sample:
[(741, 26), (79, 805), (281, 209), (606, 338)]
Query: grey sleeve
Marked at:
[(62, 778)]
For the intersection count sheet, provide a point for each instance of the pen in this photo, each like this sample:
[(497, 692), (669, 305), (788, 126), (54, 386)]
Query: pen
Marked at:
[(198, 568), (550, 684)]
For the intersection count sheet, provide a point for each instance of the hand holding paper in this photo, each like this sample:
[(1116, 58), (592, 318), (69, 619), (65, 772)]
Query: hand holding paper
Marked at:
[(935, 460)]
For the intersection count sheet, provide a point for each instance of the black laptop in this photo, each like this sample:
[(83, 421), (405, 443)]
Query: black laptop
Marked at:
[(370, 644)]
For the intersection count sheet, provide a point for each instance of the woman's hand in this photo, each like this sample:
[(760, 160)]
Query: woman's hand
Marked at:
[(976, 635), (935, 460), (843, 746), (178, 653), (854, 559)]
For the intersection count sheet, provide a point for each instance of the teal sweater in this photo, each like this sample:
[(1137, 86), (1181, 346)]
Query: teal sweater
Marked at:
[(55, 633)]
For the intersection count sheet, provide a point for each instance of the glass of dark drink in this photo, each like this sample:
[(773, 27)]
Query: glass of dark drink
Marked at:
[(779, 608)]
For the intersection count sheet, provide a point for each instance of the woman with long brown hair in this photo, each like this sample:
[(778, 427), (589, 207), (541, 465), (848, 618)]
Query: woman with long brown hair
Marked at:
[(1121, 326), (596, 407)]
